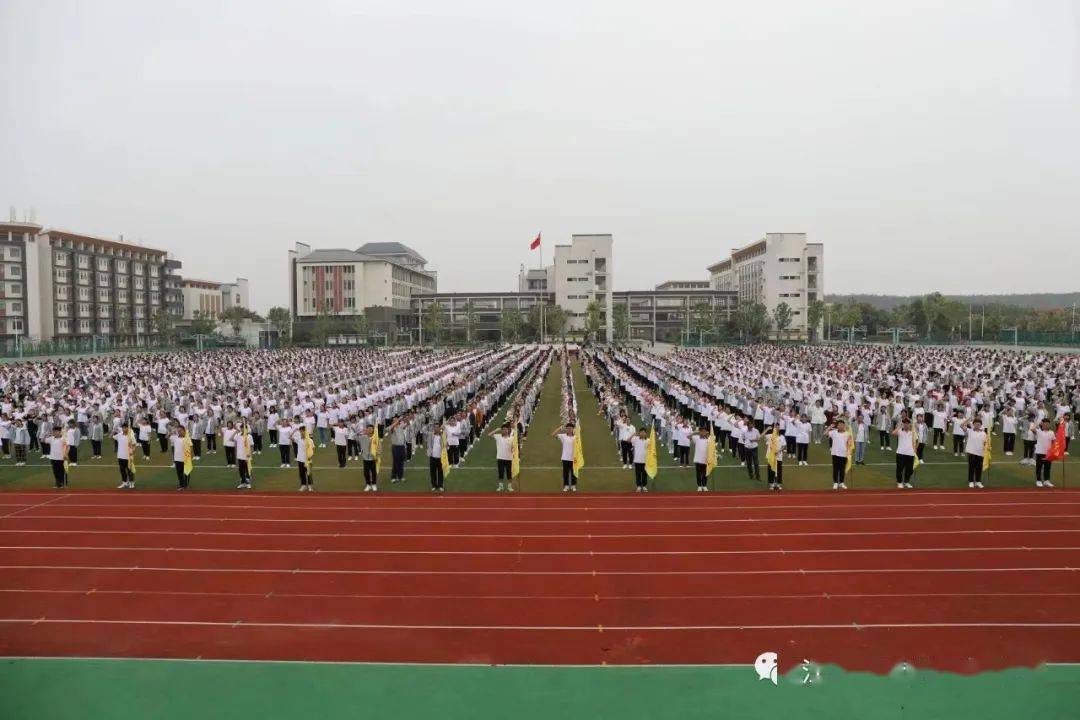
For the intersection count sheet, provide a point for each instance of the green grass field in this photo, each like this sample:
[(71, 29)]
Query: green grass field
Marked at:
[(540, 465)]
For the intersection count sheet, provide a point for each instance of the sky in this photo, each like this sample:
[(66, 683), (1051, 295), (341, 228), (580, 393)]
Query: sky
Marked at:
[(928, 145)]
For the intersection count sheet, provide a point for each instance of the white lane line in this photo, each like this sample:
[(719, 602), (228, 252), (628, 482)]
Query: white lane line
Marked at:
[(520, 553), (544, 628), (543, 573), (518, 522), (535, 598), (572, 536), (25, 508)]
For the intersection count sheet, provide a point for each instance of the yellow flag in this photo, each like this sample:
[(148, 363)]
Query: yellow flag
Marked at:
[(515, 457), (850, 451), (650, 454), (66, 464), (187, 455), (131, 452), (444, 458), (770, 449), (375, 443), (710, 455), (579, 453), (915, 447), (986, 453), (309, 445)]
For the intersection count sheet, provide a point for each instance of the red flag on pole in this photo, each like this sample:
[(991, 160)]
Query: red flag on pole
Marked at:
[(1057, 448), (535, 243)]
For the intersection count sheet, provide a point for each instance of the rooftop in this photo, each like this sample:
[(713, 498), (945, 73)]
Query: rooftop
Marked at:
[(390, 248), (103, 242)]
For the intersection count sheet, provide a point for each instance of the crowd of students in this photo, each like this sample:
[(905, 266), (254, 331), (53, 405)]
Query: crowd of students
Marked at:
[(787, 397), (295, 400)]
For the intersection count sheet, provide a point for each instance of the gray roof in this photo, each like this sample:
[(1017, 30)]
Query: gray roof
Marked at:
[(334, 255), (389, 248)]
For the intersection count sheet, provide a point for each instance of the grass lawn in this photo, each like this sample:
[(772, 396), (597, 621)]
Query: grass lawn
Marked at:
[(540, 470)]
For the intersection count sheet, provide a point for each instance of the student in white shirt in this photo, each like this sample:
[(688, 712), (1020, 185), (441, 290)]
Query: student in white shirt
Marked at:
[(242, 450), (1008, 430), (700, 441), (303, 459), (284, 437), (228, 439), (1044, 438), (838, 444), (341, 441), (565, 436), (777, 442), (750, 437), (802, 441), (975, 447), (504, 456), (57, 457), (905, 453), (434, 450), (178, 441), (124, 449), (639, 446)]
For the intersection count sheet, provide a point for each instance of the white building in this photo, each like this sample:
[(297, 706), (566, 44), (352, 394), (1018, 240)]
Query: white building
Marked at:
[(780, 267), (582, 272), (235, 294), (339, 282)]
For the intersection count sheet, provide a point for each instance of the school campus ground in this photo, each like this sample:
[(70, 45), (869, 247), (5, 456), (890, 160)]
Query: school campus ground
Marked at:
[(159, 604)]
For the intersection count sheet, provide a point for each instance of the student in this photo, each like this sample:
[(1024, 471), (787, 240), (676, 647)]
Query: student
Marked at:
[(975, 447), (20, 441), (197, 431), (341, 441), (398, 448), (504, 456), (802, 441), (750, 438), (181, 446), (96, 432), (242, 451), (163, 430), (258, 429), (700, 441), (125, 447), (285, 433), (884, 426), (862, 437), (838, 443), (434, 443), (304, 450), (639, 446), (1008, 430), (57, 457), (1044, 438), (626, 432), (776, 444), (921, 433), (959, 432), (145, 433), (72, 437), (228, 439), (905, 454), (210, 433), (1029, 426), (940, 418), (371, 474), (565, 436)]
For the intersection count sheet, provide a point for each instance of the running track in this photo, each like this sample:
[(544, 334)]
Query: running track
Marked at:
[(961, 581)]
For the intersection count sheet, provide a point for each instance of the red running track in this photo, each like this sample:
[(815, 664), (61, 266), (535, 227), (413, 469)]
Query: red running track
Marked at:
[(958, 581)]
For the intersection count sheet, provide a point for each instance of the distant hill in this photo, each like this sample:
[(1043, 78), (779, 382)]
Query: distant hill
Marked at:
[(1038, 301)]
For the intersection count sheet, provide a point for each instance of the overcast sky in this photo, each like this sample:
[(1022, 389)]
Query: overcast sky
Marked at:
[(929, 145)]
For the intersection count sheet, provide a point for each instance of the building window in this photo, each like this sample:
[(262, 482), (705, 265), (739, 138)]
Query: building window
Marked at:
[(84, 261), (14, 289), (16, 308), (811, 263), (84, 277), (16, 325), (103, 264), (61, 258), (84, 293), (14, 271), (14, 252)]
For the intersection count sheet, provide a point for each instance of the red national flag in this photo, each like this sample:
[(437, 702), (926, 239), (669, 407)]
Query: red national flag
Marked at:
[(1057, 448), (535, 243)]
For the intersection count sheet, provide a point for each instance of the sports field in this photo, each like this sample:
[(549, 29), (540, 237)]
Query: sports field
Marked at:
[(159, 604), (540, 465)]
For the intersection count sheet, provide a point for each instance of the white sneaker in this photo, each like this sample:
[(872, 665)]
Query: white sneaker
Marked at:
[(900, 486), (1038, 483), (843, 486), (1047, 483), (836, 486), (637, 489), (979, 485), (909, 486), (240, 486), (509, 488), (566, 488), (442, 489), (374, 488), (971, 485), (573, 488), (122, 486), (1009, 454), (367, 488)]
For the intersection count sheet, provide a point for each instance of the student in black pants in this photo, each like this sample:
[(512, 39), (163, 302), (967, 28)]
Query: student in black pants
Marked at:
[(565, 436), (639, 445), (57, 457), (750, 452), (434, 450), (838, 442)]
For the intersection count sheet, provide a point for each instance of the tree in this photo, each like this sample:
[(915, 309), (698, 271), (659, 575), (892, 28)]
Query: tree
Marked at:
[(235, 316), (322, 328), (280, 319), (592, 320), (555, 319), (620, 321), (814, 314), (470, 320), (848, 316), (752, 321), (202, 323), (701, 320), (434, 321), (360, 327), (781, 319), (512, 325), (531, 329)]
